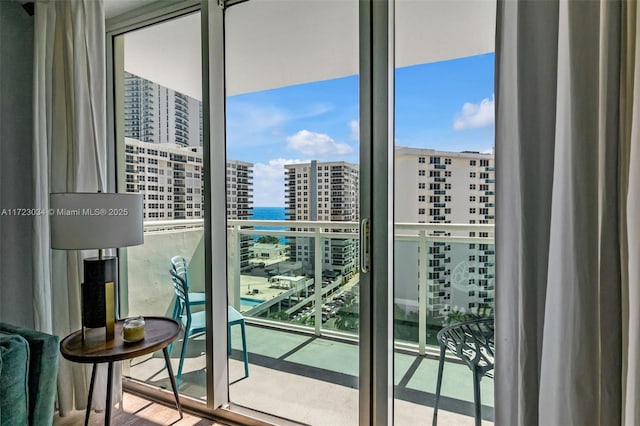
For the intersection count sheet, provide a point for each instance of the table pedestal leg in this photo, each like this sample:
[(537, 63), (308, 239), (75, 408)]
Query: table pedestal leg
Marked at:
[(107, 417), (172, 379), (93, 379)]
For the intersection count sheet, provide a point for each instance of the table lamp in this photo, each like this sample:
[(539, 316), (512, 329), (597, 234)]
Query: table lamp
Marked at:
[(84, 221)]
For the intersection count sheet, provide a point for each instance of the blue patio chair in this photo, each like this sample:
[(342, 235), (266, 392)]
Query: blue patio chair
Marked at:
[(472, 342), (235, 318), (195, 323), (179, 266)]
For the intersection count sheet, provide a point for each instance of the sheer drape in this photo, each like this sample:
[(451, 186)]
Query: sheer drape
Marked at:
[(567, 315), (69, 156)]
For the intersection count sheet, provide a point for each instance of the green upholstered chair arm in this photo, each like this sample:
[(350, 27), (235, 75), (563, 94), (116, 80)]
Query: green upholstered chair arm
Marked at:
[(43, 372)]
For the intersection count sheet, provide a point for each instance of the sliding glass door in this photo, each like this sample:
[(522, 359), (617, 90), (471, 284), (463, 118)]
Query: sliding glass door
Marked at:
[(160, 154), (444, 203), (293, 207)]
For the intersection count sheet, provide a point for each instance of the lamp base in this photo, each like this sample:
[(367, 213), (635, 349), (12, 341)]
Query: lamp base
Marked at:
[(99, 294)]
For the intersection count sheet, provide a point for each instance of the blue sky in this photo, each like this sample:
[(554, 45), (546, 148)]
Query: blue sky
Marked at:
[(444, 105)]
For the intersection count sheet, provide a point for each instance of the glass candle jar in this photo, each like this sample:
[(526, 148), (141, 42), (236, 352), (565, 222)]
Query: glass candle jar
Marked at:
[(133, 329)]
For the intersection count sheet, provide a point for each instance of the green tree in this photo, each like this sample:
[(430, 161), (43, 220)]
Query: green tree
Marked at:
[(268, 239), (279, 315)]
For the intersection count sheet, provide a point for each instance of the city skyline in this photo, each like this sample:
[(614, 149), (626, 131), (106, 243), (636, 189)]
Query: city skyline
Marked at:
[(446, 106)]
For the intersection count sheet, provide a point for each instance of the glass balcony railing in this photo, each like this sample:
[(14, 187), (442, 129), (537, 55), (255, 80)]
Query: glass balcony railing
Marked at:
[(278, 284), (300, 296)]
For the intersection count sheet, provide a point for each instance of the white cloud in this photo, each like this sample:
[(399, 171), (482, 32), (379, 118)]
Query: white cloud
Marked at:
[(250, 124), (355, 129), (488, 151), (474, 116), (316, 144), (268, 182)]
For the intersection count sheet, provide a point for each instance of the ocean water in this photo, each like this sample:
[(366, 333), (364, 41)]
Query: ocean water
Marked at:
[(269, 213)]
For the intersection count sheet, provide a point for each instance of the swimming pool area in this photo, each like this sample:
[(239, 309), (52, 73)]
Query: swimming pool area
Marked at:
[(250, 302)]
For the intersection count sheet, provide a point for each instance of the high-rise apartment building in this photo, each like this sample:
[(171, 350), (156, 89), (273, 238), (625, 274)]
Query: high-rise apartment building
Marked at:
[(239, 189), (446, 187), (323, 191), (170, 178), (168, 175), (240, 202), (157, 114)]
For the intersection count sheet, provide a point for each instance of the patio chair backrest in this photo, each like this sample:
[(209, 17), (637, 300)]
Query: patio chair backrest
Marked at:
[(179, 266), (472, 341), (182, 293)]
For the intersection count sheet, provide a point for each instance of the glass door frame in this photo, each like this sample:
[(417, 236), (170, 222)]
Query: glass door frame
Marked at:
[(376, 33)]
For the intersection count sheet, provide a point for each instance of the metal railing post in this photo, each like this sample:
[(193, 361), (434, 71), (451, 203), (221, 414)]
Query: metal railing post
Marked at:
[(236, 267), (318, 282), (422, 293)]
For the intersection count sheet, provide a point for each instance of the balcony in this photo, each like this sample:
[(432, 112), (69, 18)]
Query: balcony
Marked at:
[(304, 360)]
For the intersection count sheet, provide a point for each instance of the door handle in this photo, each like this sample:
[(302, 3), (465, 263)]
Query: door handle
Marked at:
[(364, 246)]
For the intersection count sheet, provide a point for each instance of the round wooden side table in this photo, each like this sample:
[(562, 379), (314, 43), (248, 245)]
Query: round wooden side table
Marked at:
[(93, 349)]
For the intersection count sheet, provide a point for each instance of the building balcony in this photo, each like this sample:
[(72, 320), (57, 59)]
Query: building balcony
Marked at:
[(314, 351)]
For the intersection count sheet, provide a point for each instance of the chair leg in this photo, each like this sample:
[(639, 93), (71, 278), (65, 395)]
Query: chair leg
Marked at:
[(476, 396), (244, 350), (229, 339), (438, 385), (185, 342), (176, 307)]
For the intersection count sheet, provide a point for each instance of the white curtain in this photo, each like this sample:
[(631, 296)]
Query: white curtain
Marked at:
[(567, 237), (69, 156)]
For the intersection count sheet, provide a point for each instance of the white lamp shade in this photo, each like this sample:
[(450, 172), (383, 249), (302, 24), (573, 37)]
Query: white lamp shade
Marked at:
[(95, 220)]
